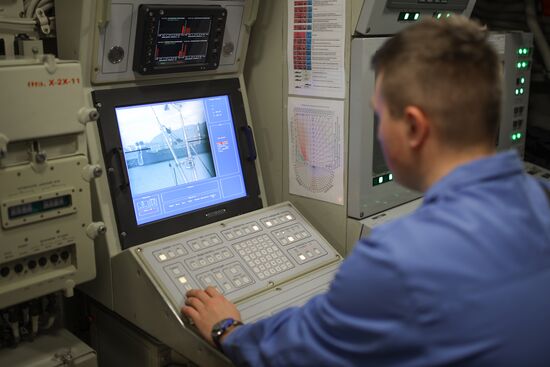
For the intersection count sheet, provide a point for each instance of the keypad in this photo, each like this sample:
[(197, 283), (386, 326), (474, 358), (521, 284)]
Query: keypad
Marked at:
[(226, 279), (263, 256)]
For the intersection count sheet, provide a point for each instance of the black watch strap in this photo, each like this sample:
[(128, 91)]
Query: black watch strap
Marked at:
[(220, 328)]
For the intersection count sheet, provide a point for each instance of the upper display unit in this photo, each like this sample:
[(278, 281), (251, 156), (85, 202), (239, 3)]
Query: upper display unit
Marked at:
[(174, 38)]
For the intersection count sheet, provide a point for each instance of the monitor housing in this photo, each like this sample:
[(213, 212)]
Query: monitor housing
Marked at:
[(178, 156)]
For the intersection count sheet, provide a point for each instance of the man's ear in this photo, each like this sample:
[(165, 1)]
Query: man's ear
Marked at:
[(418, 126)]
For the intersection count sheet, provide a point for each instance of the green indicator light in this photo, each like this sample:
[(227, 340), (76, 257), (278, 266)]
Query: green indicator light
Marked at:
[(448, 15), (390, 176), (517, 92), (416, 16), (380, 180), (518, 135), (521, 90), (513, 136), (519, 65), (406, 16), (438, 16), (522, 80), (524, 64)]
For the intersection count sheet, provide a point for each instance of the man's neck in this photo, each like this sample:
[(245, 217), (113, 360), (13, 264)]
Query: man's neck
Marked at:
[(447, 161)]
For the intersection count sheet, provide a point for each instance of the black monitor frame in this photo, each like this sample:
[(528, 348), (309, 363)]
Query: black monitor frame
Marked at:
[(129, 232)]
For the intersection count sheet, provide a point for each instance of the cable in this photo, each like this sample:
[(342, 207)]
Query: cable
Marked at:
[(17, 21)]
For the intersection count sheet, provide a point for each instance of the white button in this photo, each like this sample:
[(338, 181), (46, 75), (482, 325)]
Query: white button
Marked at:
[(176, 271), (233, 270), (162, 257), (261, 276), (316, 250), (179, 251), (255, 227), (268, 223), (227, 286), (171, 254), (266, 273), (302, 257), (208, 280), (194, 264), (202, 262), (238, 282), (230, 235), (182, 280), (188, 287), (290, 238), (309, 254), (246, 279), (247, 230), (196, 246), (219, 275), (289, 217), (210, 259)]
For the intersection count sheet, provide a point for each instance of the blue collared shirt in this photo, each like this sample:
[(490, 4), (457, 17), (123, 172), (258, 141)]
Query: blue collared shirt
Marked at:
[(464, 280)]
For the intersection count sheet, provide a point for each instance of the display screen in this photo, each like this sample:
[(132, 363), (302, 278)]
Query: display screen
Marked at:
[(180, 156), (182, 40)]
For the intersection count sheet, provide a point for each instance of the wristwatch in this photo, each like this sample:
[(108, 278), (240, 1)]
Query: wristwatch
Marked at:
[(220, 328)]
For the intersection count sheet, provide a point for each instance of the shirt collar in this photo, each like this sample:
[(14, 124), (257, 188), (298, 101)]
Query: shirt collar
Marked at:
[(484, 169)]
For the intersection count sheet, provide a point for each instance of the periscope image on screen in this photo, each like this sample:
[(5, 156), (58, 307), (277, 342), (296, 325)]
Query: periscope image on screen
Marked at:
[(180, 155)]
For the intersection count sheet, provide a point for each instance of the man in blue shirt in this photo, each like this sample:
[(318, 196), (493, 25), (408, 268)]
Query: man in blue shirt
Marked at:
[(465, 279)]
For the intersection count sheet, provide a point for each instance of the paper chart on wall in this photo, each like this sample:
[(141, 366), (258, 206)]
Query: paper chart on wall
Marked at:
[(316, 141), (316, 47)]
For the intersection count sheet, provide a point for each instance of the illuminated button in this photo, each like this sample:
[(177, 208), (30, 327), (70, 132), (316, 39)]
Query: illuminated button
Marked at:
[(290, 238), (182, 280), (255, 228), (162, 257), (268, 223), (302, 257), (289, 217)]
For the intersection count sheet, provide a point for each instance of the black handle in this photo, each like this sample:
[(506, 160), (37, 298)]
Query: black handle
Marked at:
[(125, 181), (250, 142)]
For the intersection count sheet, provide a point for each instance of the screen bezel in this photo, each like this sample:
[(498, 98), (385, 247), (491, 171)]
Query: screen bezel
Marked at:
[(106, 101)]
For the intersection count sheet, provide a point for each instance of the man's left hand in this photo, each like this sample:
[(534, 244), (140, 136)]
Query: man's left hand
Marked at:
[(206, 308)]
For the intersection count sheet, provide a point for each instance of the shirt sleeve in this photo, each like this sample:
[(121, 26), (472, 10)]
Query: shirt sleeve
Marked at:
[(363, 318)]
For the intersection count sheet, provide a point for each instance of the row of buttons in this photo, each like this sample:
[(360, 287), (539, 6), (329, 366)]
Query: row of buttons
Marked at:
[(228, 279), (169, 253), (275, 220), (307, 252), (177, 272), (204, 242), (241, 231), (210, 258), (291, 234)]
